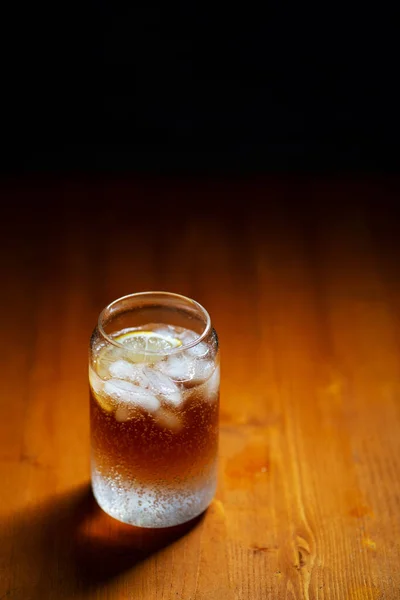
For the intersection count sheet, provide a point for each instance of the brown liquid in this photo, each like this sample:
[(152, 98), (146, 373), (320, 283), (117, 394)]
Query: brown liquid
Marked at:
[(169, 447)]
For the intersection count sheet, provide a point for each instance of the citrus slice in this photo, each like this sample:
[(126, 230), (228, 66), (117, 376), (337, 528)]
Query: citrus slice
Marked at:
[(146, 346), (97, 385), (105, 403)]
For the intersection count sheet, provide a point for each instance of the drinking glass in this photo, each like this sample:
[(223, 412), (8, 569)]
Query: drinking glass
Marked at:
[(154, 403)]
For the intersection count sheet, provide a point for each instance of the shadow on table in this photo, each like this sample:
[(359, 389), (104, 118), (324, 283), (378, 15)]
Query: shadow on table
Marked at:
[(69, 544)]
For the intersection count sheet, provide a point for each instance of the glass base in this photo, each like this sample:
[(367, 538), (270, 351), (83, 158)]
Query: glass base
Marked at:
[(142, 506)]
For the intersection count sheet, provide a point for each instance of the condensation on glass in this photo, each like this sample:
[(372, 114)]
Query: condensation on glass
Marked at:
[(154, 403)]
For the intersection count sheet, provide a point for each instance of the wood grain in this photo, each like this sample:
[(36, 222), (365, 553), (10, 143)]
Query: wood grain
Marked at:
[(302, 282)]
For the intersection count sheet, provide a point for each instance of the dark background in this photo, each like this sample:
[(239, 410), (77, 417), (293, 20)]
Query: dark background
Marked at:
[(183, 87)]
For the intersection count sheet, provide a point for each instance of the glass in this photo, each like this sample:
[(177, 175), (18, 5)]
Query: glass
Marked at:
[(154, 404)]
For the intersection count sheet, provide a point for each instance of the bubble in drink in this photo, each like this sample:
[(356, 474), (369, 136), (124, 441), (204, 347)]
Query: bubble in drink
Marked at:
[(154, 423)]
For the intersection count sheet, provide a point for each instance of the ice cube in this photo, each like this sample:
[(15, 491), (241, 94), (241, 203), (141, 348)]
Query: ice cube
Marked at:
[(165, 330), (203, 370), (178, 367), (127, 392), (187, 335), (212, 385), (106, 358), (95, 381), (188, 370), (199, 350), (123, 413), (122, 369), (160, 384), (168, 420)]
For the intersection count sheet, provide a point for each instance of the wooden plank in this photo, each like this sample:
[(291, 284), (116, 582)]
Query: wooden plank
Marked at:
[(305, 297)]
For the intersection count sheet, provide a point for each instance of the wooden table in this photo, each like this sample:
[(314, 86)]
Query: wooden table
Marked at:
[(305, 295)]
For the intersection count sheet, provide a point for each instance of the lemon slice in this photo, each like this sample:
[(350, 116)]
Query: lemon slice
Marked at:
[(146, 346), (105, 403), (137, 347), (97, 385)]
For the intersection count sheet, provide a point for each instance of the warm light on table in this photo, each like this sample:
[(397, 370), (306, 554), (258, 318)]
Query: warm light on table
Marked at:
[(304, 294)]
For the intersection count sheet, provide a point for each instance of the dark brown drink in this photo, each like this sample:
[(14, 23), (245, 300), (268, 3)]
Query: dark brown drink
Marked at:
[(154, 421)]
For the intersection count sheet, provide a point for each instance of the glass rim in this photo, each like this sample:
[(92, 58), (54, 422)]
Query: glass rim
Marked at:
[(191, 344)]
